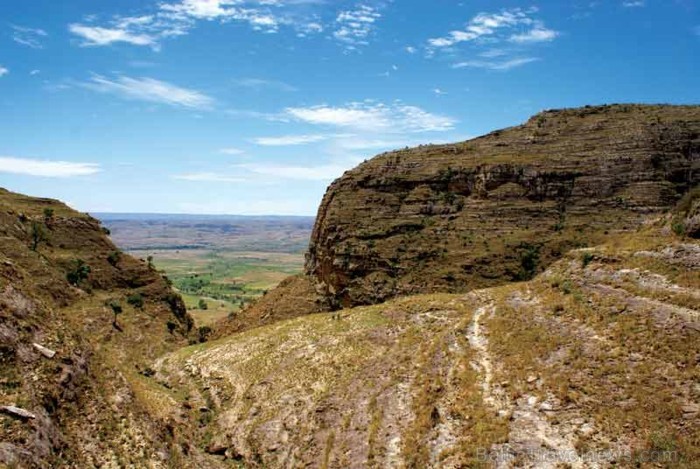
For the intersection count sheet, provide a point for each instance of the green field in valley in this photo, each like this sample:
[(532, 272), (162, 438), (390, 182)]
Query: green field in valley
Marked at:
[(215, 284), (217, 263)]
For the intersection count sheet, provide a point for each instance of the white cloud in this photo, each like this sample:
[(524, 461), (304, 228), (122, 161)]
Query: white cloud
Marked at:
[(492, 25), (326, 172), (633, 3), (208, 177), (35, 72), (98, 36), (30, 37), (496, 65), (411, 49), (232, 151), (151, 90), (259, 83), (3, 71), (258, 14), (374, 117), (289, 140), (172, 18), (537, 34), (353, 27), (503, 35), (45, 168)]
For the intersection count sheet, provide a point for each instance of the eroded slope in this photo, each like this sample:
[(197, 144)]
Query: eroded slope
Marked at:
[(592, 363)]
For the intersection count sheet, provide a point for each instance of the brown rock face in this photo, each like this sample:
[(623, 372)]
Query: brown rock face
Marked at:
[(500, 207)]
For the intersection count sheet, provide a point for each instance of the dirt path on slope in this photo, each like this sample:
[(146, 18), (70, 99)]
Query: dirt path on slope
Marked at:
[(533, 442)]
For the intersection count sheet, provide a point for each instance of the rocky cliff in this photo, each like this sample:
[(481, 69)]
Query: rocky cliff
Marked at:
[(79, 324), (500, 207)]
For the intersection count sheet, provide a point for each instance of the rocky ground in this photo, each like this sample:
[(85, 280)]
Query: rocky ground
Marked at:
[(593, 363)]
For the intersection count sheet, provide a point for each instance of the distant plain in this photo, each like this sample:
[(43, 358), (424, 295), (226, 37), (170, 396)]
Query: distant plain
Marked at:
[(223, 262)]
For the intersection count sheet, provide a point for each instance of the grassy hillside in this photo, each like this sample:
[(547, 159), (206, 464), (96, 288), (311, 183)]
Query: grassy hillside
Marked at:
[(594, 359)]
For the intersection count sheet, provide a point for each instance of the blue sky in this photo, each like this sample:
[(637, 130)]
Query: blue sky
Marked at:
[(255, 106)]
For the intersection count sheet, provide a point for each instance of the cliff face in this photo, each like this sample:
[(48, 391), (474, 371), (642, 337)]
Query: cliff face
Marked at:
[(500, 207), (79, 323)]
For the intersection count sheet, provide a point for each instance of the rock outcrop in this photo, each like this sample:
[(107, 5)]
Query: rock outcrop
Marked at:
[(500, 207)]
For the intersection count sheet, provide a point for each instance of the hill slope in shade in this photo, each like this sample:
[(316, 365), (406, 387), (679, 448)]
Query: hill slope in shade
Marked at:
[(62, 358)]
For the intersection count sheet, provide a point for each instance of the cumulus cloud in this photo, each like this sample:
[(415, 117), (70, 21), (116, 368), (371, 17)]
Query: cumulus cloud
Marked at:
[(494, 25), (505, 35), (371, 116), (150, 90), (537, 34), (46, 168), (176, 18), (3, 71), (30, 37), (353, 27), (98, 36)]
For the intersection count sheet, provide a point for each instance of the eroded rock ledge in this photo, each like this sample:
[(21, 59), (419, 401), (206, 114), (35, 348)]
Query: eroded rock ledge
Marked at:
[(500, 207)]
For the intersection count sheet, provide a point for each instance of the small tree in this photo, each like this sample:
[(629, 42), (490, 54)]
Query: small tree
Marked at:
[(149, 259), (80, 272), (203, 304), (38, 235), (117, 310)]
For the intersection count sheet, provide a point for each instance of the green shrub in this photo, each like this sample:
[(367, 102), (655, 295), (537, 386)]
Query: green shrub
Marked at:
[(114, 257), (204, 332), (529, 261), (586, 259), (678, 227), (135, 300), (80, 272)]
